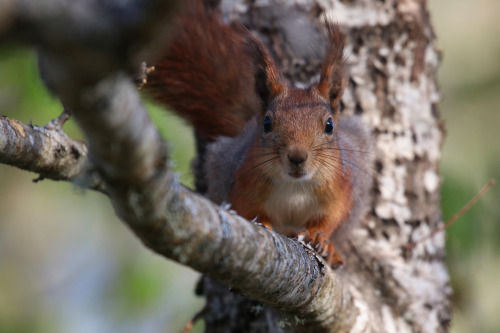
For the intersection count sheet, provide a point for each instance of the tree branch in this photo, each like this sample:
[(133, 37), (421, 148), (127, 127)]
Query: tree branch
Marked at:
[(47, 151), (117, 33), (128, 153)]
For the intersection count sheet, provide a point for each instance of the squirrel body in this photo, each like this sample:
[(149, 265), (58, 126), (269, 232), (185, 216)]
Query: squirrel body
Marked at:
[(276, 154), (302, 183)]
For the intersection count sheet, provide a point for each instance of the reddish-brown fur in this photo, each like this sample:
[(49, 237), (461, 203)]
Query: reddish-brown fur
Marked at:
[(207, 53)]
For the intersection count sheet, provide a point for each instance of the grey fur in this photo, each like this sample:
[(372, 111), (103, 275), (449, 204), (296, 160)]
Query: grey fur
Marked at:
[(223, 158), (357, 152)]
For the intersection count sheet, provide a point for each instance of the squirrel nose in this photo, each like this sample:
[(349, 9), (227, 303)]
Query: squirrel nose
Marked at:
[(297, 156)]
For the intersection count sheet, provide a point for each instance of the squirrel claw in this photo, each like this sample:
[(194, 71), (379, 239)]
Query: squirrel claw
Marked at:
[(333, 257), (323, 247)]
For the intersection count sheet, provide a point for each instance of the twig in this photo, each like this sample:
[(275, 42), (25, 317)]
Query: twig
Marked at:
[(190, 324), (47, 151), (141, 77), (59, 121), (456, 216)]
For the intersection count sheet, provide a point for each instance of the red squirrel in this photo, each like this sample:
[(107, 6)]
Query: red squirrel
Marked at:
[(278, 155)]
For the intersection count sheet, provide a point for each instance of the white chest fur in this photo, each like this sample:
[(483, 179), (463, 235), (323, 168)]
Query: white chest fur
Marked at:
[(291, 204)]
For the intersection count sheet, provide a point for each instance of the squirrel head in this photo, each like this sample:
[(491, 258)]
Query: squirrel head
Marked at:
[(298, 127)]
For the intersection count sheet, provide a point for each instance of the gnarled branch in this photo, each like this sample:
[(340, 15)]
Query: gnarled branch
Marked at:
[(47, 151), (131, 158)]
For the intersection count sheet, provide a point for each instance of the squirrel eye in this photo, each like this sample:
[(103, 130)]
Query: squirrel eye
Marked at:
[(329, 126), (267, 124)]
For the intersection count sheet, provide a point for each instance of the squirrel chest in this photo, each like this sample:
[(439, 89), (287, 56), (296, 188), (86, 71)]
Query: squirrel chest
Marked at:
[(290, 204)]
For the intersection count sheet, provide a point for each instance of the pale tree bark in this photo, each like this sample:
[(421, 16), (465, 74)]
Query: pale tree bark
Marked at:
[(384, 286), (393, 62)]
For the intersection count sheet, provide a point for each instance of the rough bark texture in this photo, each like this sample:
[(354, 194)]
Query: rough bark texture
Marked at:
[(393, 62), (47, 151)]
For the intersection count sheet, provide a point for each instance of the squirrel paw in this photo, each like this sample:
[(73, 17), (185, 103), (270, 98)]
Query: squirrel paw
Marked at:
[(323, 247), (264, 224)]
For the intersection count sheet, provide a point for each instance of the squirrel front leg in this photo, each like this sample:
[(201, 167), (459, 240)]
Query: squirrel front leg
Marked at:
[(318, 234)]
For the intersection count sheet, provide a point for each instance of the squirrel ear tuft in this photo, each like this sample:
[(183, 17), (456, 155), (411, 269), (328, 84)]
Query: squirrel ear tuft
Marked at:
[(268, 83), (333, 81)]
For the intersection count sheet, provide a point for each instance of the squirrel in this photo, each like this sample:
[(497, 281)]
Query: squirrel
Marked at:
[(278, 155)]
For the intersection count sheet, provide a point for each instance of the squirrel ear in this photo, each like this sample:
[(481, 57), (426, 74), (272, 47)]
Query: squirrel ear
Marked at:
[(268, 83), (333, 81)]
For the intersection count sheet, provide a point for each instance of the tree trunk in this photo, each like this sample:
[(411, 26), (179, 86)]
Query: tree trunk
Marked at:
[(393, 62)]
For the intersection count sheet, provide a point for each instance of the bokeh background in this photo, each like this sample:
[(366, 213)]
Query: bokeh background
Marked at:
[(67, 264)]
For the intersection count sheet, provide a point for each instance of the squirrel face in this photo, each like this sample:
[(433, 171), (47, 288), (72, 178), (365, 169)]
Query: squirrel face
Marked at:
[(299, 136)]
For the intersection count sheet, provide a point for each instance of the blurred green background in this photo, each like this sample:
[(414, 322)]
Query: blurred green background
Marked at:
[(67, 264)]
